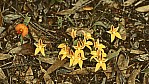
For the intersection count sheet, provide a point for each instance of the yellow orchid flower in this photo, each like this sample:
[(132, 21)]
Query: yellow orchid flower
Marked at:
[(99, 46), (79, 53), (40, 47), (99, 56), (87, 44), (79, 60), (101, 63), (79, 48), (88, 36), (64, 50), (114, 33), (71, 56), (73, 33)]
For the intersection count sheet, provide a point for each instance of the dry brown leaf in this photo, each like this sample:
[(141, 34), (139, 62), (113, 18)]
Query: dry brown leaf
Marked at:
[(78, 5), (29, 76), (122, 64), (48, 79), (132, 77), (46, 76), (3, 78), (79, 30), (129, 2), (57, 64), (143, 8), (137, 52), (86, 70), (47, 59), (1, 19), (15, 50), (2, 75), (5, 56)]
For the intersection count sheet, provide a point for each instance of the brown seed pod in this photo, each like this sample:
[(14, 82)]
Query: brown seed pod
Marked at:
[(22, 29)]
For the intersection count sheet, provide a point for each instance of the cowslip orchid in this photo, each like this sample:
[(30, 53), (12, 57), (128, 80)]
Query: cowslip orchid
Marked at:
[(79, 53), (73, 33), (22, 29), (98, 45), (114, 33), (71, 56), (40, 47), (79, 59), (88, 36), (64, 50), (99, 56)]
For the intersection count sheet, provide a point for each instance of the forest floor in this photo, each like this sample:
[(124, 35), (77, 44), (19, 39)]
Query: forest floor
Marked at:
[(52, 32)]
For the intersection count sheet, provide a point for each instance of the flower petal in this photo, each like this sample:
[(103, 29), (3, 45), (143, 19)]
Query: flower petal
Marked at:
[(97, 66), (37, 51), (64, 56), (112, 37), (76, 61), (94, 53), (62, 45), (80, 63), (103, 65), (71, 62), (42, 51), (118, 35)]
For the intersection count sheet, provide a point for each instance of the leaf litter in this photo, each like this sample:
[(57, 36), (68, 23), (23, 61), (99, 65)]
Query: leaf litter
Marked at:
[(52, 21)]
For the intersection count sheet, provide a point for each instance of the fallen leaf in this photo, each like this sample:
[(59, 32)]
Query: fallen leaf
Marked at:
[(145, 70), (2, 29), (29, 75), (26, 20), (11, 17), (129, 2), (132, 77), (46, 76), (137, 51), (5, 56), (112, 55), (47, 59), (1, 19), (15, 50), (143, 8), (86, 70), (122, 30), (57, 64), (79, 30), (73, 10), (100, 23), (3, 77), (87, 8)]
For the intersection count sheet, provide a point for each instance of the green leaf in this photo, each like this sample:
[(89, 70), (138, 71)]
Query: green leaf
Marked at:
[(112, 55), (21, 39), (145, 70), (27, 20), (75, 42), (69, 19), (99, 23)]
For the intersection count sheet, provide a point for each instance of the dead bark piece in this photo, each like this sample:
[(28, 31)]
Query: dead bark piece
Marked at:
[(57, 64), (132, 77)]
